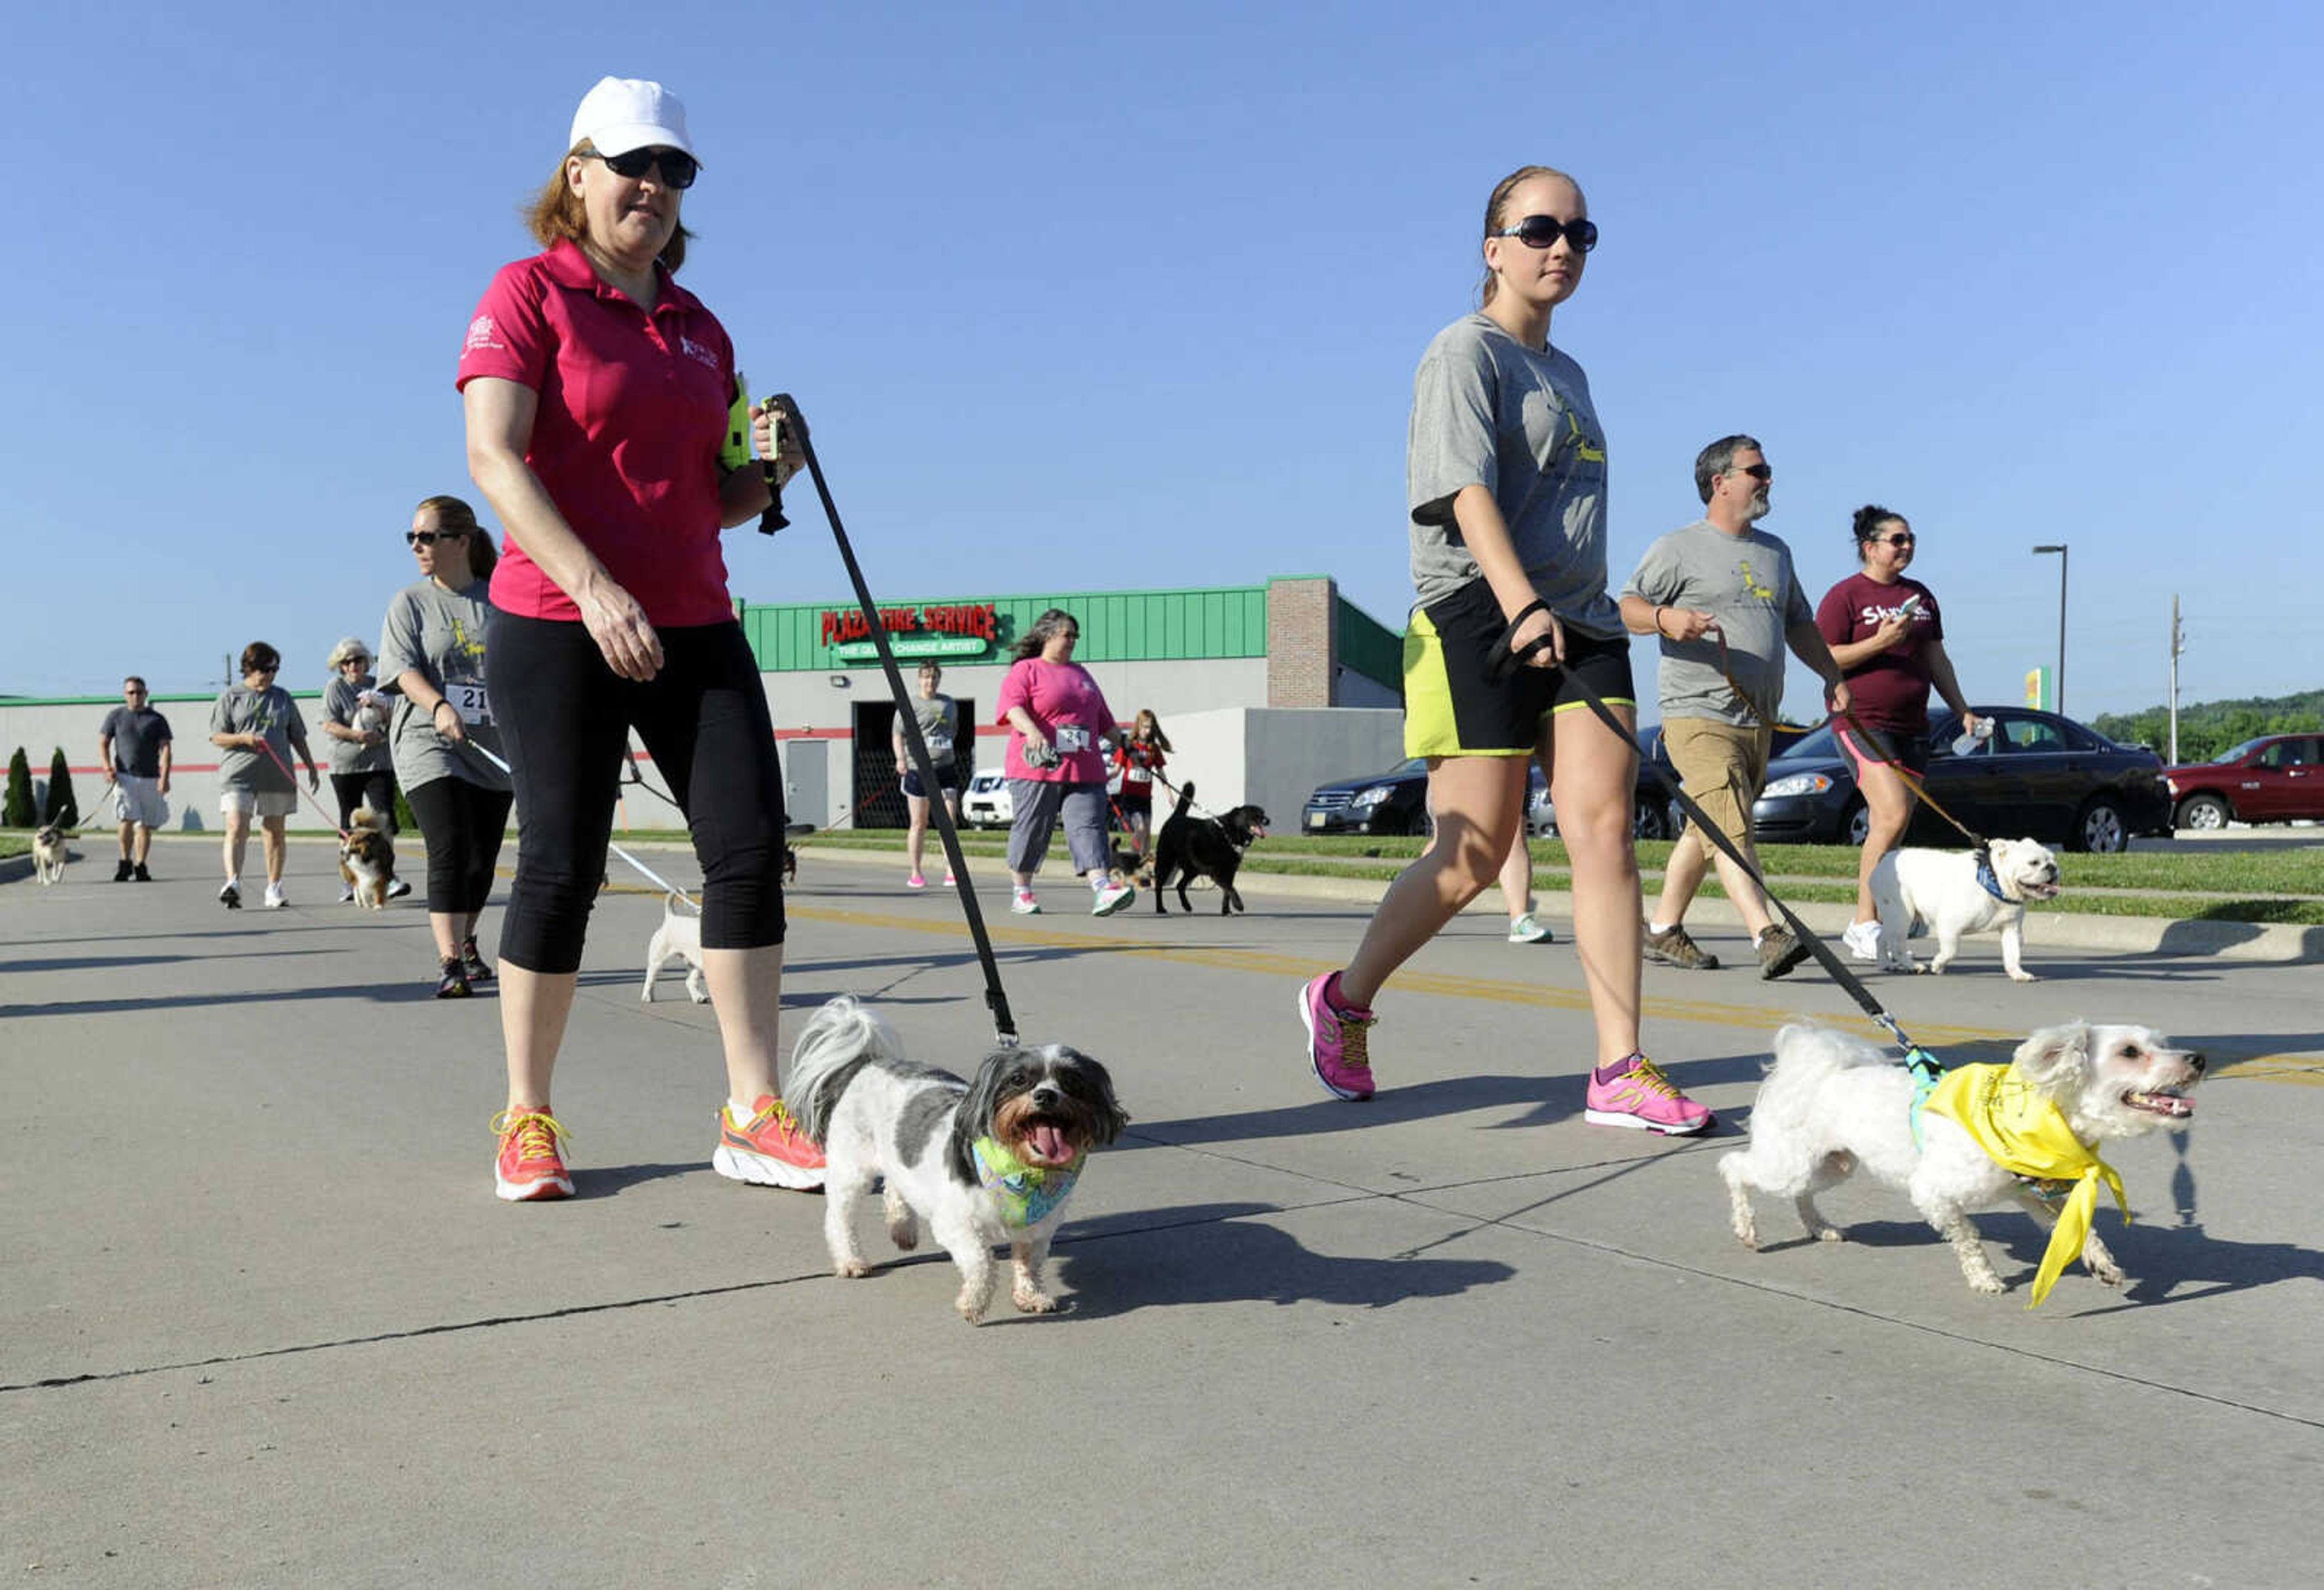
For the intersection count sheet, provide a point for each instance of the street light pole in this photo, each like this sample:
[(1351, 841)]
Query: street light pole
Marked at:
[(2059, 703)]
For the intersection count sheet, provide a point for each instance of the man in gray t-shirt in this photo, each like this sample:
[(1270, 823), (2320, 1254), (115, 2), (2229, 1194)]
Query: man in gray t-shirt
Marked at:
[(1723, 597), (132, 744)]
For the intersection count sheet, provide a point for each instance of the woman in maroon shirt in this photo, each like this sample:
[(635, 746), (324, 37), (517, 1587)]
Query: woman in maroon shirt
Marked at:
[(596, 392), (1888, 638)]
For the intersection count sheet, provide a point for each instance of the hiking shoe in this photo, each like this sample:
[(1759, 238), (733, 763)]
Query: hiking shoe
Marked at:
[(140, 874), (1639, 1095), (916, 882), (1530, 929), (122, 870), (1337, 1037), (397, 889), (1673, 947), (767, 1150), (472, 961), (528, 1166), (454, 984), (1111, 898), (346, 894), (1025, 905), (1863, 941), (275, 900), (1780, 950), (230, 897)]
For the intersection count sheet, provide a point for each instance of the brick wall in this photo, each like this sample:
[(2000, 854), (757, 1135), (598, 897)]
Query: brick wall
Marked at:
[(1302, 641)]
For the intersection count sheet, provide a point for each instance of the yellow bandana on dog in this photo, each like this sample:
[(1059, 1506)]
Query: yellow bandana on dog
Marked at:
[(2027, 1136)]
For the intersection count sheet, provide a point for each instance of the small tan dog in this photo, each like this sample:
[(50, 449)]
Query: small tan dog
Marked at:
[(49, 853), (367, 859)]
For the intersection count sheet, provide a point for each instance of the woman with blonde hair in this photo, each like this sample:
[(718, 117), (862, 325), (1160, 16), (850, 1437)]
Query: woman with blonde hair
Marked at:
[(362, 769)]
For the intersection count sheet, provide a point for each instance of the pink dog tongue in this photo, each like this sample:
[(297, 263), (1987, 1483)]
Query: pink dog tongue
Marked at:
[(1048, 1144)]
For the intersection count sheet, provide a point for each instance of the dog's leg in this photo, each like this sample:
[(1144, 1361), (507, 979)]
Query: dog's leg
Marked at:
[(840, 1194), (2012, 949), (695, 988), (656, 953), (1025, 1291), (978, 1273), (1952, 1223), (903, 1226), (1734, 1168), (2096, 1259), (1829, 1171), (1948, 938)]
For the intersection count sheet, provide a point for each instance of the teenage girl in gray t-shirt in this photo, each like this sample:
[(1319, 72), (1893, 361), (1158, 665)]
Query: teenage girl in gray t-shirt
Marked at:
[(1507, 478)]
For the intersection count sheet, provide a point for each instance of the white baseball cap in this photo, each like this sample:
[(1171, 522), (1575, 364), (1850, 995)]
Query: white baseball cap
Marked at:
[(622, 114)]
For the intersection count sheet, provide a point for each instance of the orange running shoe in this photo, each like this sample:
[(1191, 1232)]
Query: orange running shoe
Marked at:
[(529, 1167), (769, 1149)]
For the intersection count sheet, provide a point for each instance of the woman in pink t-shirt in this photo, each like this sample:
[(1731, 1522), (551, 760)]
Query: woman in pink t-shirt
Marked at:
[(1888, 639), (1057, 715), (597, 393)]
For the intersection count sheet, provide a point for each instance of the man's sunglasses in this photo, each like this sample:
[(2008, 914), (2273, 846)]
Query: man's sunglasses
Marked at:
[(1762, 473), (1543, 231), (429, 538), (679, 168)]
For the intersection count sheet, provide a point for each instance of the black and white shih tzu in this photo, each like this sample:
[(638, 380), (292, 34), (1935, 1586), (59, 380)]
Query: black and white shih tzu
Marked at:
[(983, 1163)]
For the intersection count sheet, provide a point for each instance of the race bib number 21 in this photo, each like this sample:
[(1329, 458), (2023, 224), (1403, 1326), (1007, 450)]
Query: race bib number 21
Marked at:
[(468, 699)]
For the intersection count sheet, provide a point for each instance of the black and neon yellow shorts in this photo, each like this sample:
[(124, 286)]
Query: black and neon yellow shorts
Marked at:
[(1452, 709)]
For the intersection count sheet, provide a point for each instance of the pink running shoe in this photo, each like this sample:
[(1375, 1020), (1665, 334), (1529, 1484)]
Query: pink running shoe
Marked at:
[(1336, 1039), (1639, 1096)]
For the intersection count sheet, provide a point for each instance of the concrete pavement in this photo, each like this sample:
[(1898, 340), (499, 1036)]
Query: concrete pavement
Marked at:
[(261, 1321)]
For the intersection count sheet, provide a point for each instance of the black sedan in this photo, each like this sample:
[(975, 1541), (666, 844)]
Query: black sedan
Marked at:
[(2040, 776), (1394, 802)]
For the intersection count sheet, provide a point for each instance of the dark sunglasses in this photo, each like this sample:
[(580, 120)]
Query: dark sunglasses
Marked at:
[(429, 538), (1761, 472), (679, 168), (1902, 539), (1543, 231)]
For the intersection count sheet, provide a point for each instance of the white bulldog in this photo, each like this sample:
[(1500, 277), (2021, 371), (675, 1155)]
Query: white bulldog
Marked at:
[(1959, 892)]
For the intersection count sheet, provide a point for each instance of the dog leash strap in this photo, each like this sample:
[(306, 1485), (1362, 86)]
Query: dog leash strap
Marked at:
[(293, 778), (644, 871), (1887, 756), (996, 999), (1822, 952), (1502, 660)]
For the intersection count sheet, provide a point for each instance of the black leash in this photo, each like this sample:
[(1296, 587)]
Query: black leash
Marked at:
[(1004, 1025), (1498, 664)]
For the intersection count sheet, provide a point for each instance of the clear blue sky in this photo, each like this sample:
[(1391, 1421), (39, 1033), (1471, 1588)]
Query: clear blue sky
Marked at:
[(1092, 297)]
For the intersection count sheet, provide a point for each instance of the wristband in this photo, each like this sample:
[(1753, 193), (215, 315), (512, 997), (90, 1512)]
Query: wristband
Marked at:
[(1658, 625)]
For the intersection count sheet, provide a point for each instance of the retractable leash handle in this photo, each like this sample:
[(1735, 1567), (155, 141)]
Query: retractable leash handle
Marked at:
[(1004, 1024), (1503, 659)]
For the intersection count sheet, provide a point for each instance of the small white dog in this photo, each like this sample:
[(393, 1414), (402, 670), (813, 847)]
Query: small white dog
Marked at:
[(1959, 892), (49, 853), (983, 1164), (678, 936), (1834, 1103), (372, 710)]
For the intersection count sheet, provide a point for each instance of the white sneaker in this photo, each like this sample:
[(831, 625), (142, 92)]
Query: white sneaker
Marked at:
[(1863, 941), (1111, 898), (274, 900), (1025, 905), (1530, 929), (397, 889), (346, 893)]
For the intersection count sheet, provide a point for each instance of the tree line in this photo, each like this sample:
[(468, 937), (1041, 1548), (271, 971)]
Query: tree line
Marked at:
[(2207, 728)]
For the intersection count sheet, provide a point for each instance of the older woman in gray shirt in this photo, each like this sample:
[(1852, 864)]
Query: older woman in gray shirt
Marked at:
[(431, 653)]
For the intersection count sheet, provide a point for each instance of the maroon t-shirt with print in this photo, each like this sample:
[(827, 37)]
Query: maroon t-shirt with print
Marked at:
[(1891, 691)]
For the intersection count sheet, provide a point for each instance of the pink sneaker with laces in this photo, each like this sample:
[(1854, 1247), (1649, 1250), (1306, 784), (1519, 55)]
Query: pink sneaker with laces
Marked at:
[(1337, 1037), (1639, 1096)]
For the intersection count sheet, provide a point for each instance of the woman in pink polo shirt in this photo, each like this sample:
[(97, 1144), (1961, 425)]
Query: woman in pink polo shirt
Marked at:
[(596, 392), (1057, 715)]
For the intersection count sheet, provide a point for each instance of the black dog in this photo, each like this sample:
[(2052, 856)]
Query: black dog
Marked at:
[(1191, 847)]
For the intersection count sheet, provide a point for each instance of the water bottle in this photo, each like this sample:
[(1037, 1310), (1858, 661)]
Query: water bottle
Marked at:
[(1969, 740)]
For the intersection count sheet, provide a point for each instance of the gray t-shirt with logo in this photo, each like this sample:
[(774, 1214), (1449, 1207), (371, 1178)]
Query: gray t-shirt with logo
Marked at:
[(1488, 411), (138, 735), (1748, 583), (341, 703), (938, 716), (270, 713), (441, 633)]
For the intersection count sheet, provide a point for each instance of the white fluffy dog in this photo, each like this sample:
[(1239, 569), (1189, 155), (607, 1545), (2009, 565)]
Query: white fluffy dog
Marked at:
[(983, 1163), (1834, 1103), (679, 937), (1958, 892)]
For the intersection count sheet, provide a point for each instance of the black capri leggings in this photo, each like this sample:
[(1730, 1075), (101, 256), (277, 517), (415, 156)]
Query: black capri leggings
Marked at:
[(375, 789), (564, 719), (462, 825)]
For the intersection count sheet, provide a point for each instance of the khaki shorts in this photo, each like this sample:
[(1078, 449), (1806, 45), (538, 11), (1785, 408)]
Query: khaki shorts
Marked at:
[(1722, 766), (265, 802), (139, 800)]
